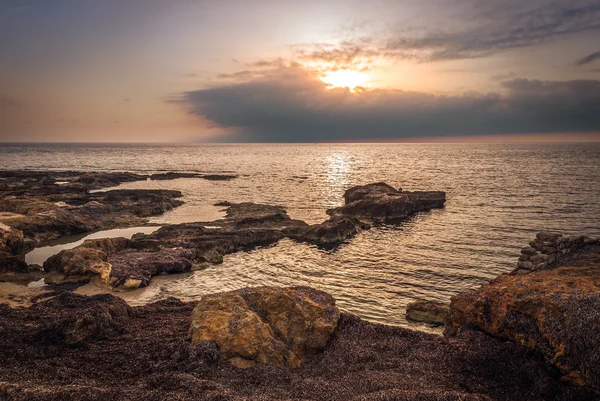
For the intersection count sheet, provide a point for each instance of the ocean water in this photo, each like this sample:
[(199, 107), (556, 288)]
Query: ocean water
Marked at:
[(499, 196)]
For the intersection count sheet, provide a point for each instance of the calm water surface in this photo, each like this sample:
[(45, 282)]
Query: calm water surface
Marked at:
[(498, 197)]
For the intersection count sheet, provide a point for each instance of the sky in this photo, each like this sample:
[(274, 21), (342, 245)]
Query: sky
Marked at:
[(299, 71)]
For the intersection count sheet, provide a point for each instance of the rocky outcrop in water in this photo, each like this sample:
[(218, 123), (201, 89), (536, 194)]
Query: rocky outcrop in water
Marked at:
[(381, 203), (266, 325), (553, 309), (210, 177), (245, 227)]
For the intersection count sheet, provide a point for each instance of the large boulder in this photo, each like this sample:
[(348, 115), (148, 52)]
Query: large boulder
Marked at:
[(281, 326), (381, 203), (554, 311)]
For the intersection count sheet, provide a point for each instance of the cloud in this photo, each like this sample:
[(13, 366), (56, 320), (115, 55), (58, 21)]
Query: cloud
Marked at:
[(480, 29), (504, 77), (290, 104), (588, 59), (7, 102)]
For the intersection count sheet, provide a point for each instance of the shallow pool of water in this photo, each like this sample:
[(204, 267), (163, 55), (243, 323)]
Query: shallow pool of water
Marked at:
[(39, 255)]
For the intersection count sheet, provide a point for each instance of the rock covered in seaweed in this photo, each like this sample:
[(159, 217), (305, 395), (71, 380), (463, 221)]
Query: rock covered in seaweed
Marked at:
[(282, 326), (554, 310)]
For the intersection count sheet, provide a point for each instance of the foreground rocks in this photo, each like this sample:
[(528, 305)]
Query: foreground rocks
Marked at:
[(266, 325), (75, 347), (553, 310)]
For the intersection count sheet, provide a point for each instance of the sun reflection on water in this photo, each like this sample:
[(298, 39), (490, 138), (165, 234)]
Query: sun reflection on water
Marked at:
[(339, 168)]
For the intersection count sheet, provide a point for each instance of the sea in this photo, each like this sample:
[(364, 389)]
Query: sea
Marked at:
[(498, 197)]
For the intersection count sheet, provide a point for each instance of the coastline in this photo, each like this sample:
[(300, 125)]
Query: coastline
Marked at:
[(53, 329)]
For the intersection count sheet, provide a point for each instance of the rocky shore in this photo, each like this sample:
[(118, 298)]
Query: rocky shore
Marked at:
[(177, 248), (531, 334)]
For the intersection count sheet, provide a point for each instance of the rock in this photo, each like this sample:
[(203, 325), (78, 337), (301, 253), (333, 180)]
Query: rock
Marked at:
[(281, 326), (431, 312), (45, 211), (11, 244), (330, 233), (548, 236), (96, 180), (528, 251), (173, 175), (525, 265), (218, 177), (554, 311), (88, 259), (133, 269), (361, 191), (11, 241), (114, 263), (381, 203)]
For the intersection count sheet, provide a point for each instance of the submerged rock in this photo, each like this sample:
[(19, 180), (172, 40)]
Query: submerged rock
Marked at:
[(554, 311), (282, 326), (381, 203), (431, 312)]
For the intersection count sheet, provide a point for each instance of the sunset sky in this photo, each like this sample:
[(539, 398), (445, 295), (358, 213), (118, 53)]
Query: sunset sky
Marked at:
[(299, 71)]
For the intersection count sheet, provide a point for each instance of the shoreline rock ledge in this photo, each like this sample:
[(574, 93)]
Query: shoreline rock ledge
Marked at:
[(553, 309), (282, 326)]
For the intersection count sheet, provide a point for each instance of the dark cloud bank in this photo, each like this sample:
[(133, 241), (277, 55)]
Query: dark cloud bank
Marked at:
[(291, 104)]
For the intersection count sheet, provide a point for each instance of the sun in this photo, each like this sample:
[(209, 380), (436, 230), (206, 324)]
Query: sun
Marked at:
[(350, 79)]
